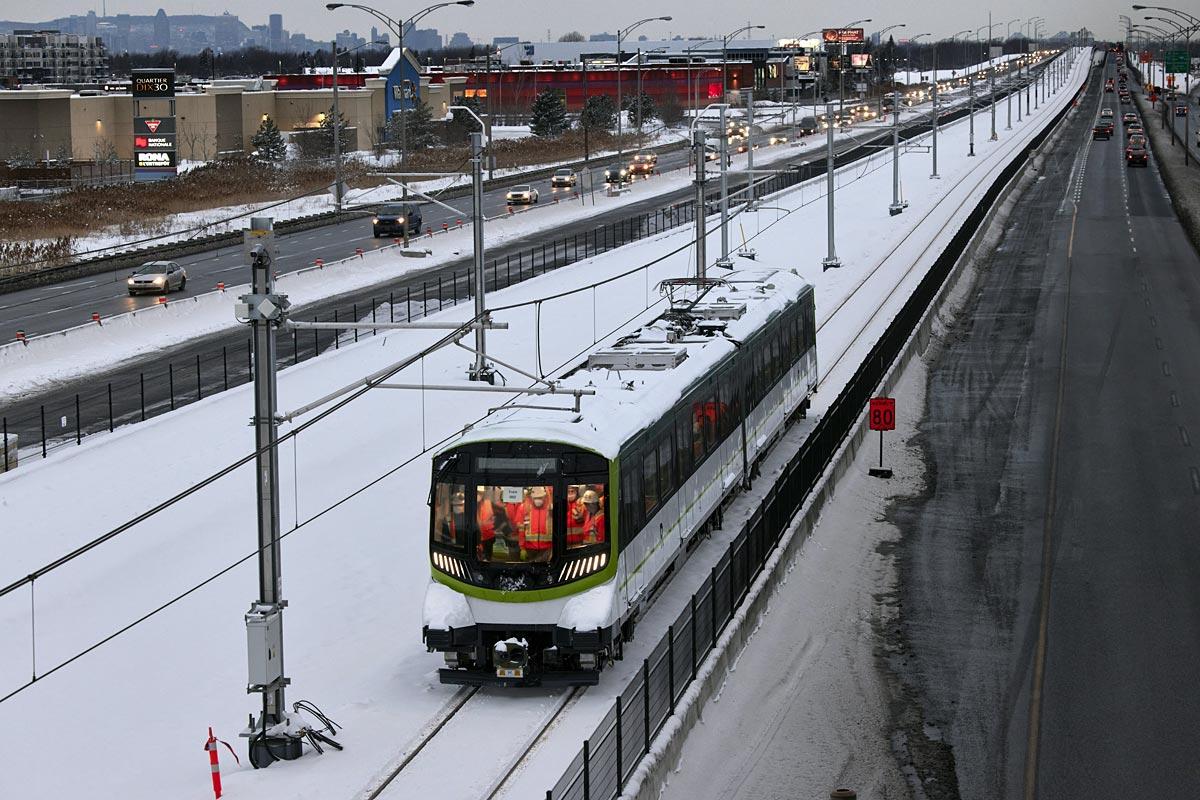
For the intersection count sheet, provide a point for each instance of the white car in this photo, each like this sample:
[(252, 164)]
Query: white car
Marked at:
[(158, 277), (562, 178), (521, 194)]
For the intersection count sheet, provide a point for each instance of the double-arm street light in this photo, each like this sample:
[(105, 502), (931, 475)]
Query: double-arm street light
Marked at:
[(908, 58), (621, 34), (725, 55), (399, 28), (881, 35), (688, 51)]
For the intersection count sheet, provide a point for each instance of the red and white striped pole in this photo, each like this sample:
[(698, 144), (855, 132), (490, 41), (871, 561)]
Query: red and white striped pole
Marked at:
[(211, 747)]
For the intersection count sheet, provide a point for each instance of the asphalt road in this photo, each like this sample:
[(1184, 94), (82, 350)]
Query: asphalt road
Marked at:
[(1055, 547), (51, 308)]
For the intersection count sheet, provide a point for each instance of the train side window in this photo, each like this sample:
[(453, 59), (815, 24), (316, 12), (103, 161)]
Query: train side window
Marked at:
[(683, 440), (774, 359), (650, 482), (712, 412), (630, 519), (698, 448), (666, 465)]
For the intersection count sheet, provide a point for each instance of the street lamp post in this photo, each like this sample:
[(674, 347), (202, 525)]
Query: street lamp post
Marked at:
[(694, 103), (880, 35), (725, 55), (399, 28), (621, 34), (337, 125)]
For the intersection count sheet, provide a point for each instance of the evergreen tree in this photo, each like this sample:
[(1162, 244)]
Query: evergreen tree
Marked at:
[(647, 109), (599, 113), (548, 116), (418, 131), (327, 130), (268, 142)]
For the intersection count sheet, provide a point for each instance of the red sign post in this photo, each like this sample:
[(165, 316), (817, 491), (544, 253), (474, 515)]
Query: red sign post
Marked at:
[(881, 416)]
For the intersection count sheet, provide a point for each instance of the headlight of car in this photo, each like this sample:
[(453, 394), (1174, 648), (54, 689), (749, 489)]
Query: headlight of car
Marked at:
[(130, 281), (399, 219), (375, 221), (159, 279)]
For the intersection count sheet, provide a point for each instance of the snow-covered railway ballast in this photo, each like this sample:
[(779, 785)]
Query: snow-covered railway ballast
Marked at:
[(551, 529)]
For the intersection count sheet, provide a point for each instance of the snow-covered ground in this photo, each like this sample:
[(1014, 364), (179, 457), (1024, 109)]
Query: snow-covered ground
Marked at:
[(355, 576), (925, 76)]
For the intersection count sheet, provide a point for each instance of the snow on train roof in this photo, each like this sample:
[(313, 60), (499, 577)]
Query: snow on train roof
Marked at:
[(628, 401)]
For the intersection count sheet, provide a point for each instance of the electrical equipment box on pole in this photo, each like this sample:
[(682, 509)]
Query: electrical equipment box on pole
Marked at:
[(264, 640)]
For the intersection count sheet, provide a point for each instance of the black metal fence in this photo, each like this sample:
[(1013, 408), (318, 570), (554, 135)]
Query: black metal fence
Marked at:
[(609, 756)]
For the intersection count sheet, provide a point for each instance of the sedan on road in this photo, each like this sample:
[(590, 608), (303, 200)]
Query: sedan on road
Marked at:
[(1134, 129), (521, 194), (157, 277), (562, 179), (1129, 118), (395, 220), (1137, 157), (1103, 130)]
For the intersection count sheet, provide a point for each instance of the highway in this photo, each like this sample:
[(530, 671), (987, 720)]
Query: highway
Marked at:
[(1050, 573)]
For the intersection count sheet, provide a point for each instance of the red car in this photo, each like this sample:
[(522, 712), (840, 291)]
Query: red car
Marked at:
[(1137, 157)]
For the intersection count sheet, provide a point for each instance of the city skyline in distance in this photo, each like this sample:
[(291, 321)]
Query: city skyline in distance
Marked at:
[(490, 18)]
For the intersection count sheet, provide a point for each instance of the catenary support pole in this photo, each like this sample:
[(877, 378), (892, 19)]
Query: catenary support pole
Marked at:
[(724, 262), (701, 212), (934, 113), (897, 205), (480, 371), (831, 260)]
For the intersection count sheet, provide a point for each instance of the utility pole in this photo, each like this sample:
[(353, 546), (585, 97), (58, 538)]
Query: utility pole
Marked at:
[(992, 76), (724, 262), (480, 371), (750, 148), (265, 310), (934, 101), (337, 136), (831, 260), (701, 210), (971, 105), (897, 205)]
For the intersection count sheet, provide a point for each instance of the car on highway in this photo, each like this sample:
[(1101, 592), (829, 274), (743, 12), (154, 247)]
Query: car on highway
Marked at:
[(1108, 85), (157, 277), (1134, 130), (711, 153), (643, 163), (1137, 157), (1103, 130), (1181, 110), (778, 139), (1135, 141), (808, 126), (1106, 113), (563, 178), (523, 194), (396, 220), (616, 175), (1129, 118), (1125, 99), (746, 146)]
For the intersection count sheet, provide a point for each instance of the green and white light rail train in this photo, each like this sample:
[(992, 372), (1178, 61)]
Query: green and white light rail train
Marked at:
[(550, 529)]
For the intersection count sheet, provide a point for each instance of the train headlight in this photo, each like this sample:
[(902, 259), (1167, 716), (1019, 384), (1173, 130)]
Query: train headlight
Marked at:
[(582, 567)]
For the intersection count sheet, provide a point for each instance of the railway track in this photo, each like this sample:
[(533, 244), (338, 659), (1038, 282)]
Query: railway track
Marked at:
[(457, 711)]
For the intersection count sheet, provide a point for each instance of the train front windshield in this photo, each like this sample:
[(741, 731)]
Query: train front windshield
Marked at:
[(501, 519)]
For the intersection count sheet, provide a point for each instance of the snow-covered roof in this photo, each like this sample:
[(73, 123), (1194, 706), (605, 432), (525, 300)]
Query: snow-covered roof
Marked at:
[(628, 401)]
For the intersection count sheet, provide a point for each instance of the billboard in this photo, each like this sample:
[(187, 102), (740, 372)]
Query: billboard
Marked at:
[(152, 126), (151, 83), (143, 141), (842, 36), (803, 64), (860, 60), (155, 160)]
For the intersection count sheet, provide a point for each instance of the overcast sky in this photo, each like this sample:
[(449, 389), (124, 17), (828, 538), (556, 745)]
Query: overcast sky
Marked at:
[(530, 19)]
